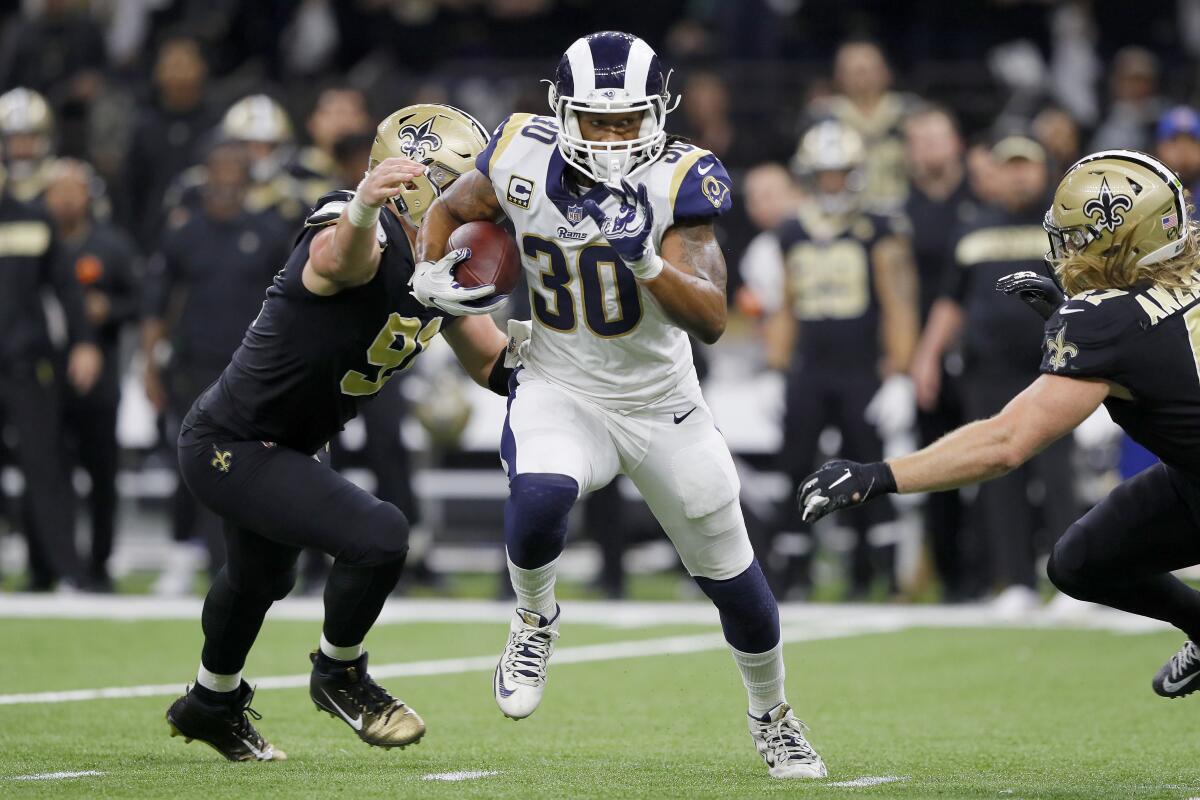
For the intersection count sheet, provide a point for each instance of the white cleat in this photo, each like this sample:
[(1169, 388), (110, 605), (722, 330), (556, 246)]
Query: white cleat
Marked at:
[(520, 676), (779, 737)]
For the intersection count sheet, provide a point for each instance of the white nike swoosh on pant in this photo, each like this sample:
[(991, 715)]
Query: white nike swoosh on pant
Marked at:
[(353, 723), (1174, 687)]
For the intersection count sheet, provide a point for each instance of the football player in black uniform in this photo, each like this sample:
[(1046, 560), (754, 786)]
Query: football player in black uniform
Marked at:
[(1128, 256), (848, 323), (337, 323)]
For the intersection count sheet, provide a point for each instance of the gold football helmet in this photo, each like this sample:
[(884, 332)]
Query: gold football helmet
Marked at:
[(26, 115), (443, 138), (831, 146), (257, 118), (1118, 203)]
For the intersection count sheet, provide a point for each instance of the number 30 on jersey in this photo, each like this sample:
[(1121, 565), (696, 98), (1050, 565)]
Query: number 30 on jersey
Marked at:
[(598, 268)]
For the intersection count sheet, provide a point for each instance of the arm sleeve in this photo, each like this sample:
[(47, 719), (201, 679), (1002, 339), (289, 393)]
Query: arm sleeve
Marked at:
[(701, 188), (1084, 342), (123, 300), (69, 293)]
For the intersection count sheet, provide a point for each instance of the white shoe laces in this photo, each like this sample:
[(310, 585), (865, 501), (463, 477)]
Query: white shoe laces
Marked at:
[(527, 654), (1185, 660), (785, 743)]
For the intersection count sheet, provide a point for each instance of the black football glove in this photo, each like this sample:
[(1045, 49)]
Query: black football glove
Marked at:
[(1038, 291), (839, 483)]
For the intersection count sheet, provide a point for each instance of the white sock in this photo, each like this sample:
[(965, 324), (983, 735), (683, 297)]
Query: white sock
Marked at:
[(535, 588), (218, 683), (763, 675), (340, 653)]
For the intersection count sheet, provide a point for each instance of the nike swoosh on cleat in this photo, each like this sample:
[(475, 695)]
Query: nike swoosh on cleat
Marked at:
[(678, 419), (257, 753), (839, 480), (353, 723), (500, 684), (1175, 687)]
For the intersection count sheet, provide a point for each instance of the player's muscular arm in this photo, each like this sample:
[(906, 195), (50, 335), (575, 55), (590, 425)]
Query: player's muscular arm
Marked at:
[(691, 286), (1049, 408), (896, 284), (469, 199), (347, 254), (478, 343)]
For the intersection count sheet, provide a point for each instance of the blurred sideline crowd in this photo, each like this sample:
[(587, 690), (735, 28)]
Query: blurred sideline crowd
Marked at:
[(159, 158)]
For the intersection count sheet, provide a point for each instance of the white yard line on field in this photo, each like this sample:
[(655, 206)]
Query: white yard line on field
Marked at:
[(468, 775), (868, 780), (57, 776), (609, 651)]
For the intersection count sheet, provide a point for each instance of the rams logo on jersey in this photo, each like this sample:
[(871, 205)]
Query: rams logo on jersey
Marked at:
[(714, 191)]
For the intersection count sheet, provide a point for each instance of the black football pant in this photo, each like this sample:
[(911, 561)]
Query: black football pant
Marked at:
[(191, 521), (817, 399), (32, 404), (91, 421), (276, 501), (1003, 511), (1121, 552), (944, 512)]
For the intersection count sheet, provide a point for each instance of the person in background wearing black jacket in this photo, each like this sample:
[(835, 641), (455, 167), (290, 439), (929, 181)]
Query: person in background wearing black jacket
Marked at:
[(204, 286), (104, 262), (1001, 353), (30, 383)]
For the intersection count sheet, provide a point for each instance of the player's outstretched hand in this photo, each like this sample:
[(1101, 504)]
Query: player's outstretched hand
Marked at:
[(628, 229), (387, 179), (1037, 291), (434, 286), (839, 483)]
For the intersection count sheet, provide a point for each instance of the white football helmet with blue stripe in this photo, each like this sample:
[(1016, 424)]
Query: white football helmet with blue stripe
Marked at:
[(610, 72)]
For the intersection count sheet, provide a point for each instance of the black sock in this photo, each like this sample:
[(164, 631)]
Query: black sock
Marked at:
[(231, 621), (354, 596)]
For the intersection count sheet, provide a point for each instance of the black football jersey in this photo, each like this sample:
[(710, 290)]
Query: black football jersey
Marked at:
[(1148, 342), (831, 285), (306, 361)]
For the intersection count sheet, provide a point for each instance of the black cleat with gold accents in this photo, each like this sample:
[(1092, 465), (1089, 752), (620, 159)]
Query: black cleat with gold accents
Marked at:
[(224, 725), (346, 691)]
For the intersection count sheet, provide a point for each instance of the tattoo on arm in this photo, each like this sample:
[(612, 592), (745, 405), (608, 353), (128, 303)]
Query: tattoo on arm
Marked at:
[(471, 198), (701, 253)]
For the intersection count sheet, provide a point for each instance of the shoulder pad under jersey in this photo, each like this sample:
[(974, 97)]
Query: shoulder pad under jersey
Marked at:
[(328, 208)]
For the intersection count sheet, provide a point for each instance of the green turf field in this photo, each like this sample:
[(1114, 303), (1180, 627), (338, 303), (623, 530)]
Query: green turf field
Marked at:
[(979, 713)]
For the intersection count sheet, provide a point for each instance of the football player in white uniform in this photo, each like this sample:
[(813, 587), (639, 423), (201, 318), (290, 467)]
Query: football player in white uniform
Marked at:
[(614, 222)]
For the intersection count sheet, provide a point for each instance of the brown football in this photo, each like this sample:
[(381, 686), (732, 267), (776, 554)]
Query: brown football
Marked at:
[(494, 257)]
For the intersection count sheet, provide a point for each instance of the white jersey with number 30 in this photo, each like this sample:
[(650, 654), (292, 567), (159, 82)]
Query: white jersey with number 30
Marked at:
[(596, 330)]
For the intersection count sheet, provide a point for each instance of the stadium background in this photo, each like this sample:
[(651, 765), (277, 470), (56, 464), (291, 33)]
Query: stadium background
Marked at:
[(906, 700), (751, 74)]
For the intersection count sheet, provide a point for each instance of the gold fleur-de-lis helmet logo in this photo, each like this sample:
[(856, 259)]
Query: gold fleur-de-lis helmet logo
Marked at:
[(1060, 349), (1106, 208), (418, 141)]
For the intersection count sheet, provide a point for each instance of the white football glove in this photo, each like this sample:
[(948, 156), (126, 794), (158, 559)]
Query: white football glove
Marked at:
[(434, 286), (893, 409), (518, 342)]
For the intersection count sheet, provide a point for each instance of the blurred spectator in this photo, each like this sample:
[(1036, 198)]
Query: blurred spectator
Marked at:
[(166, 132), (104, 262), (939, 200), (770, 196), (49, 49), (865, 103), (340, 112), (32, 379), (705, 119), (1134, 102), (262, 127), (205, 286), (983, 176), (27, 142), (850, 288), (1058, 134), (1002, 344), (350, 155), (1178, 145)]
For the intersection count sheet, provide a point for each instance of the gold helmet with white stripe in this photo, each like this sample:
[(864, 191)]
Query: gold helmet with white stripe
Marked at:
[(443, 138), (1118, 216)]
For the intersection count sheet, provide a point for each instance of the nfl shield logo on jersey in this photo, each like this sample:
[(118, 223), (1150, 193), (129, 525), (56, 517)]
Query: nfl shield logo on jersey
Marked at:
[(575, 214)]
